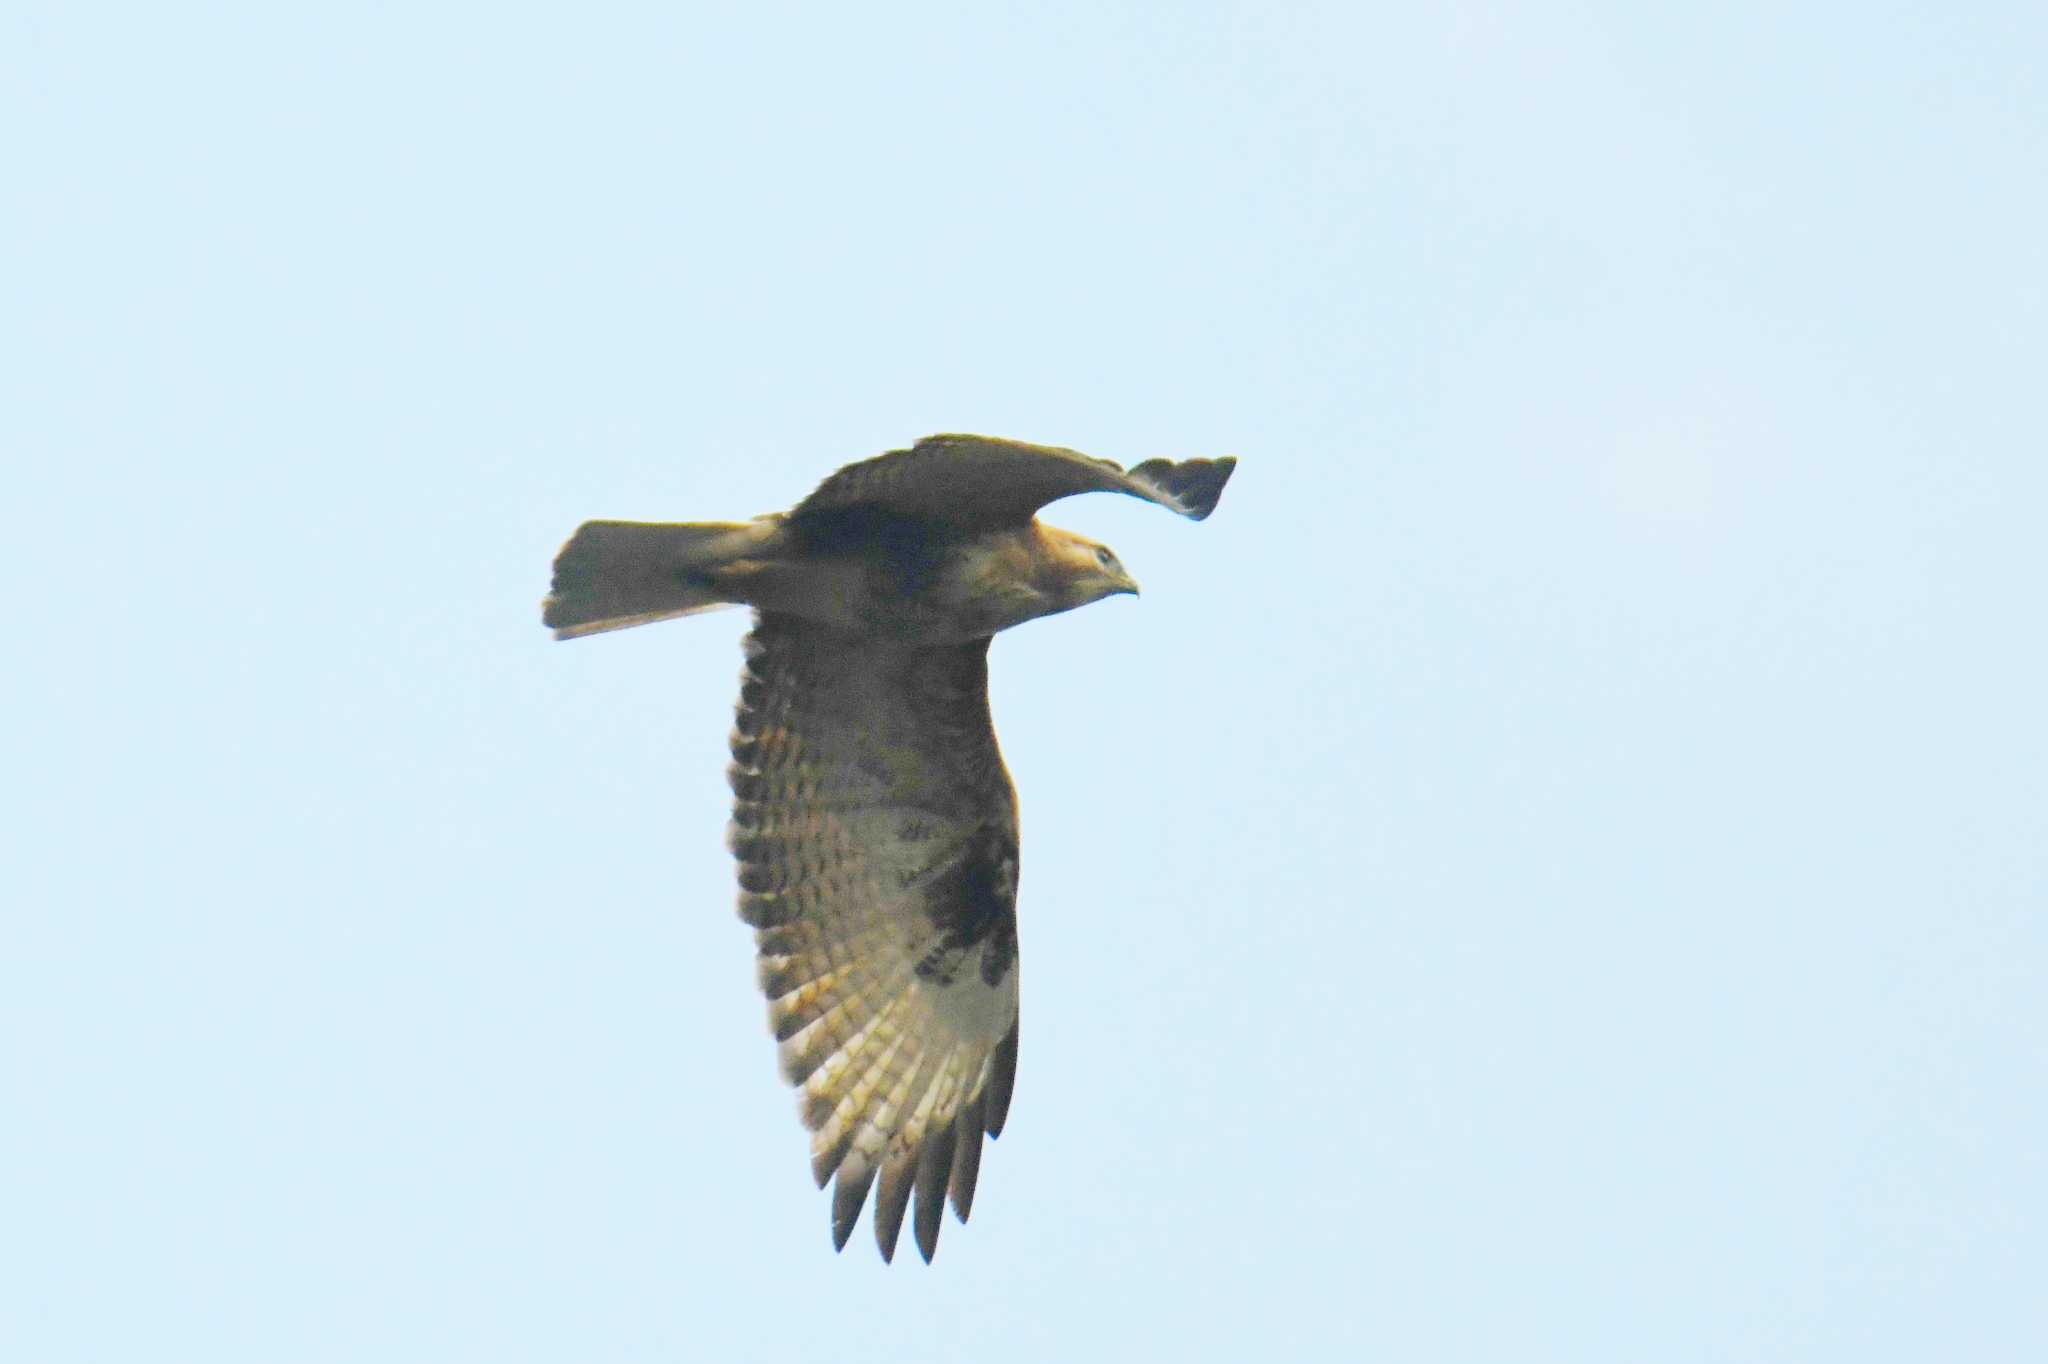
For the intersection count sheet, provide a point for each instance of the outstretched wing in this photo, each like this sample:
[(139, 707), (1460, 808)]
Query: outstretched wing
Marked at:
[(981, 482), (876, 832)]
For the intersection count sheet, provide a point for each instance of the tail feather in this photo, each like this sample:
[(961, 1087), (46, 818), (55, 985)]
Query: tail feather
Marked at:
[(615, 574)]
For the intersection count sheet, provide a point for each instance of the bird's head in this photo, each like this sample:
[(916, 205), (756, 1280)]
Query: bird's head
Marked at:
[(1074, 570), (1014, 575)]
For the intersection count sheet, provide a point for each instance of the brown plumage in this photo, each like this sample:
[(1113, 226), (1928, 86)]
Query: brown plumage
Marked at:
[(874, 823)]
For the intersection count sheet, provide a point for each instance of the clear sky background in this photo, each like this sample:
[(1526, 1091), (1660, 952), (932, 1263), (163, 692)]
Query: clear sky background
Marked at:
[(1555, 868)]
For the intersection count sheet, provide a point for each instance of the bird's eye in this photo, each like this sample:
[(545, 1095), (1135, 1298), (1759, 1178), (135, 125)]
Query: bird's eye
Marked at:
[(1104, 557)]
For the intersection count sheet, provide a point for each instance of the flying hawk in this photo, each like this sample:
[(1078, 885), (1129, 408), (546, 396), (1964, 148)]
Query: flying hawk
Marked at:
[(874, 822)]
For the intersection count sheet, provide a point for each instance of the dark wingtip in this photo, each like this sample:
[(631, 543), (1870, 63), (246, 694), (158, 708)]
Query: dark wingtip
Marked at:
[(1191, 487), (848, 1194), (890, 1200)]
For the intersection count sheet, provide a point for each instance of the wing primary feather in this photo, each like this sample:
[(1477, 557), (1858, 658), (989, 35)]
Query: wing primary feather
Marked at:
[(933, 1166), (825, 1162), (898, 1178), (899, 1173), (967, 1155), (847, 1196), (851, 1094), (1002, 1081), (1191, 487)]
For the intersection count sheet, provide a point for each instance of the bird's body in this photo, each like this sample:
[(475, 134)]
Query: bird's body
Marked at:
[(874, 823)]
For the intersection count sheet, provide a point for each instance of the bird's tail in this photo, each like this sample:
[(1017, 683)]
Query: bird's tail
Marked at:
[(613, 574)]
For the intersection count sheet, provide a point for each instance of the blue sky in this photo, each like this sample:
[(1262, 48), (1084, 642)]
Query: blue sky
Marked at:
[(1554, 869)]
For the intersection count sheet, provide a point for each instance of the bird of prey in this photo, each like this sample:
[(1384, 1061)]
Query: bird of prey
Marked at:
[(873, 820)]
